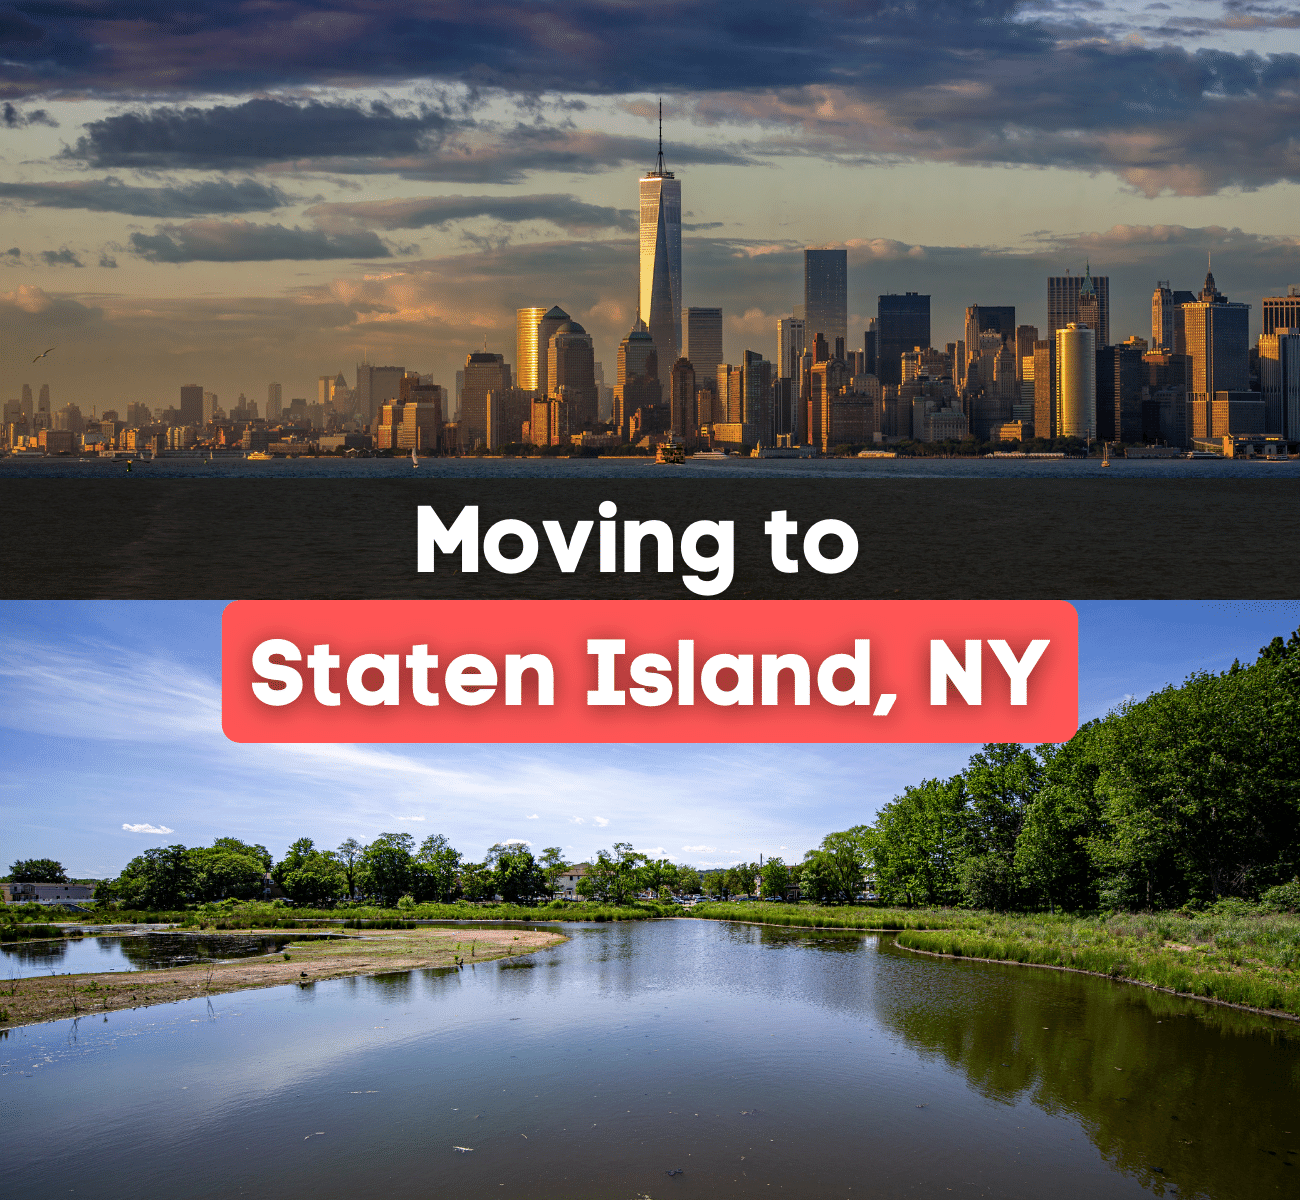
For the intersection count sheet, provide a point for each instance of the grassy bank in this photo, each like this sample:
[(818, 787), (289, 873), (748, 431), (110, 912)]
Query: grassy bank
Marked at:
[(1247, 959), (279, 916), (814, 916), (52, 997)]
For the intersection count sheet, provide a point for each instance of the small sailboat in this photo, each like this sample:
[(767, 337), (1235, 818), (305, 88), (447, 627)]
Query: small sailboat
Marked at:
[(415, 460), (1105, 454)]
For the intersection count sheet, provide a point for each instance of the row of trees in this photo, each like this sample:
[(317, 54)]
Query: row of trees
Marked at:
[(1190, 795), (390, 870)]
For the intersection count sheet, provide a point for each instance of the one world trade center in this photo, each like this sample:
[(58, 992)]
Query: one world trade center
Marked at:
[(660, 299)]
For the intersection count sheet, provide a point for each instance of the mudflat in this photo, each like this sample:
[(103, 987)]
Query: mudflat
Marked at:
[(52, 997)]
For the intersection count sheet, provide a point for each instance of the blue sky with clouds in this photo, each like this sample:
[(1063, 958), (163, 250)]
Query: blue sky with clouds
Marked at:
[(110, 716)]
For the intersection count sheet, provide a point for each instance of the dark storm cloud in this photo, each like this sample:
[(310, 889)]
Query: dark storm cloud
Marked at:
[(14, 118), (567, 212), (254, 133), (61, 258), (970, 81), (243, 241), (182, 200)]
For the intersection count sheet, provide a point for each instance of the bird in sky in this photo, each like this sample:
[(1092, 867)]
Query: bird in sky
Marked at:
[(41, 356)]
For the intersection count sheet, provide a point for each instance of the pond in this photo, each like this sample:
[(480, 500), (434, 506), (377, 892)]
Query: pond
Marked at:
[(132, 952), (753, 1061)]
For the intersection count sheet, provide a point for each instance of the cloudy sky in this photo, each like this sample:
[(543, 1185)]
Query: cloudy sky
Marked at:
[(110, 739), (237, 192)]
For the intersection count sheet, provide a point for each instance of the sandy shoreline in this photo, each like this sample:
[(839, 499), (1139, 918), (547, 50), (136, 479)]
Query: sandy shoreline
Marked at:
[(53, 997)]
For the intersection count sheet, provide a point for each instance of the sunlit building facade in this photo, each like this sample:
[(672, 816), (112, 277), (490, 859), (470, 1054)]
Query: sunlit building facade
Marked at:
[(660, 294)]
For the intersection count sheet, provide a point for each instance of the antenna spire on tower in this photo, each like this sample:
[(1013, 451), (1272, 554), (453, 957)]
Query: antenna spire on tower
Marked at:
[(660, 165)]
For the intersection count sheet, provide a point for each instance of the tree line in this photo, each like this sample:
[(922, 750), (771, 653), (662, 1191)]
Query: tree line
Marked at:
[(1187, 797), (391, 871)]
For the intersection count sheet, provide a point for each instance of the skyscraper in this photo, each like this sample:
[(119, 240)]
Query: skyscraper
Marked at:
[(791, 335), (1063, 303), (192, 404), (826, 293), (1217, 333), (484, 372), (526, 323), (902, 323), (683, 417), (703, 328), (1076, 381), (1282, 312), (638, 376), (274, 401), (375, 386), (571, 367), (1279, 381), (988, 318), (660, 296)]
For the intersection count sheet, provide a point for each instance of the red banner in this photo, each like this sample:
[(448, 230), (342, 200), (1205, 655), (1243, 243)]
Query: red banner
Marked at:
[(649, 671)]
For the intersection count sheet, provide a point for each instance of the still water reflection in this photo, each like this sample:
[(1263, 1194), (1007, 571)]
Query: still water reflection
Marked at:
[(132, 952), (755, 1061)]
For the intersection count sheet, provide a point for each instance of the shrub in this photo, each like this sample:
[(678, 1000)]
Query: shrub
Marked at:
[(1283, 898)]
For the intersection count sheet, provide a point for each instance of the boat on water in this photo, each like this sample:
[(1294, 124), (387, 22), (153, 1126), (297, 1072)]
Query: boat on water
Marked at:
[(670, 452), (708, 455), (259, 456), (415, 460), (1105, 454)]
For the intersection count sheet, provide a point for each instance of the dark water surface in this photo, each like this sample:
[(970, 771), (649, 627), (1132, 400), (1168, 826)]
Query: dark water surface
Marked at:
[(757, 1061), (132, 952)]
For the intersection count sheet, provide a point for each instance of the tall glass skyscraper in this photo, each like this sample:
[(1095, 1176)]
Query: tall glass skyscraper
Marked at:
[(703, 340), (660, 296), (826, 294), (902, 324)]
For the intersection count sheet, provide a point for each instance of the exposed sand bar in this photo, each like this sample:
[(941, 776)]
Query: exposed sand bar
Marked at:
[(362, 952)]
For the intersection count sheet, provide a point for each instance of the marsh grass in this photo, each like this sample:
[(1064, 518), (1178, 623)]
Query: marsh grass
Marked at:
[(812, 916), (1248, 958)]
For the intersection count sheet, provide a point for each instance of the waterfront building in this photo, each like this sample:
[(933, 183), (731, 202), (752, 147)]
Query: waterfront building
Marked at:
[(791, 337), (683, 413), (826, 294), (902, 324), (638, 384), (1076, 381), (508, 411), (192, 404), (484, 372), (1217, 333), (1279, 382), (1063, 292), (375, 387), (660, 295), (274, 401), (526, 322), (571, 365), (1282, 312), (703, 345)]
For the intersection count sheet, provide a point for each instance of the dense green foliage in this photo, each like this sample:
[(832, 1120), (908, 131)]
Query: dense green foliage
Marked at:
[(1185, 797), (37, 870)]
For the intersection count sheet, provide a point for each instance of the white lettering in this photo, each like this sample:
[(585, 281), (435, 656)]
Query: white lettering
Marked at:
[(430, 532), (516, 665), (568, 553), (779, 530), (1018, 670), (470, 679), (387, 692), (722, 561), (797, 665), (859, 664), (492, 546), (944, 667), (321, 662), (742, 665), (606, 650), (420, 661), (655, 689), (277, 672), (812, 546)]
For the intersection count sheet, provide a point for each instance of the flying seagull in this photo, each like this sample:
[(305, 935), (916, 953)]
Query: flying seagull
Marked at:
[(41, 356)]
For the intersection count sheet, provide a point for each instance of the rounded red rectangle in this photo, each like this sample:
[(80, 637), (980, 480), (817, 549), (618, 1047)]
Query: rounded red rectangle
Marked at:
[(897, 657)]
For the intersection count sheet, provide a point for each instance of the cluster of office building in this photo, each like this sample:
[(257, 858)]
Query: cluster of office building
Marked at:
[(1196, 380)]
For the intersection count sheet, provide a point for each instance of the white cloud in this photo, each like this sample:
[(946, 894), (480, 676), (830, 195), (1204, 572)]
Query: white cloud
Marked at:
[(532, 818), (146, 828), (409, 818), (601, 821), (698, 849), (516, 842), (576, 821)]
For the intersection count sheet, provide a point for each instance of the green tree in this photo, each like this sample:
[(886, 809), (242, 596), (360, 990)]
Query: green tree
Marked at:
[(612, 878), (349, 855), (251, 850), (218, 873), (658, 875), (775, 879), (37, 870), (552, 862), (688, 880), (438, 865), (386, 867), (160, 878), (309, 876), (918, 843), (1002, 782), (477, 881), (518, 876)]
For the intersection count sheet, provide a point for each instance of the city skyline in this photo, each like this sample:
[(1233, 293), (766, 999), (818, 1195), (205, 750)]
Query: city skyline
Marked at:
[(254, 220)]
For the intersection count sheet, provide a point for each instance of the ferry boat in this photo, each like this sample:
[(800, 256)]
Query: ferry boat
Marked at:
[(670, 452), (259, 456), (709, 454)]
